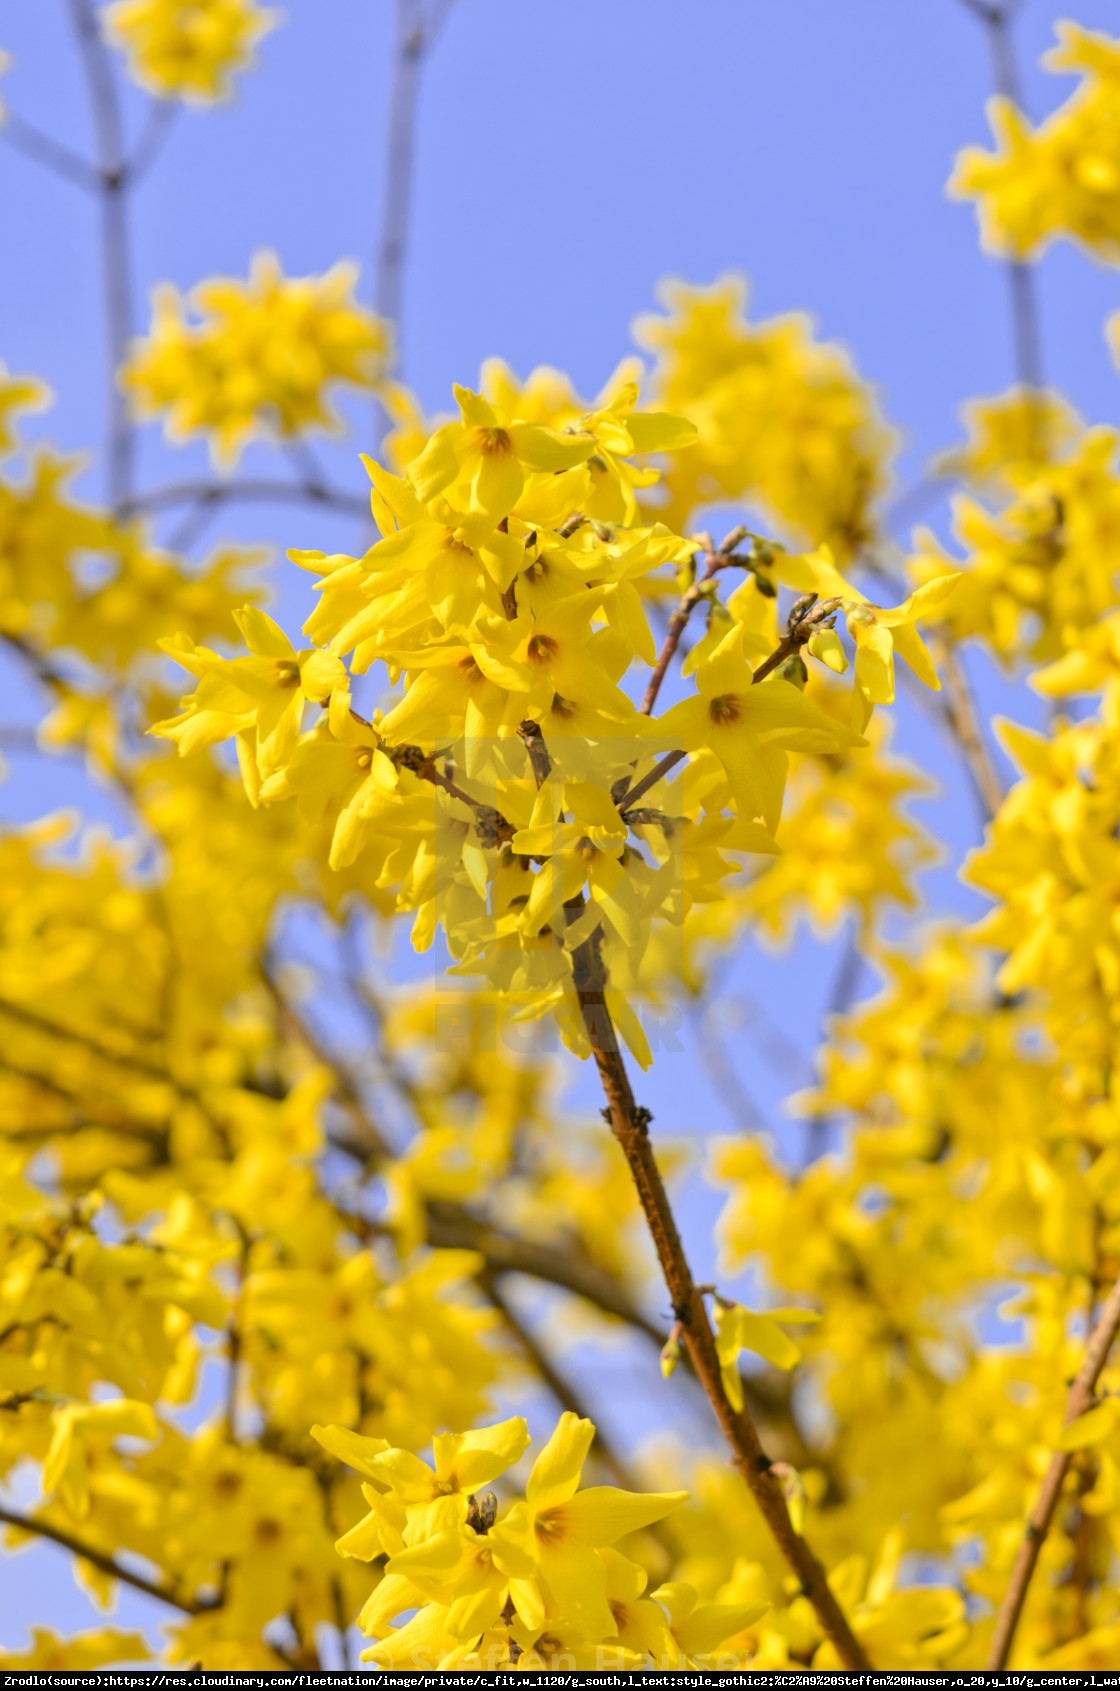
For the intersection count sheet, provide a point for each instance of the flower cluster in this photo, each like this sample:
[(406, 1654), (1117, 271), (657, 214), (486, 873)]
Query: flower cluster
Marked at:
[(499, 797), (783, 420), (187, 49), (536, 1585), (1062, 179), (260, 358)]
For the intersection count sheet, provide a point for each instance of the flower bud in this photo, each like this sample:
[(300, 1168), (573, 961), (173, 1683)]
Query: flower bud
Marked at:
[(824, 644)]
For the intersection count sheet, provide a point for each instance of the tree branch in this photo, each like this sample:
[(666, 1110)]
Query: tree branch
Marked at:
[(98, 1559), (161, 116), (44, 149), (959, 709), (998, 24), (1039, 1520), (262, 490), (562, 1390), (115, 257), (416, 35), (630, 1125)]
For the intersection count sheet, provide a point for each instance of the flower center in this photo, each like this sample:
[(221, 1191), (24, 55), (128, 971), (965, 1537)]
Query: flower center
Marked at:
[(469, 669), (493, 443), (542, 648), (550, 1526), (725, 708), (287, 673)]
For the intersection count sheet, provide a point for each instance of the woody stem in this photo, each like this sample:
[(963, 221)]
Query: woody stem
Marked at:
[(629, 1124), (1039, 1520)]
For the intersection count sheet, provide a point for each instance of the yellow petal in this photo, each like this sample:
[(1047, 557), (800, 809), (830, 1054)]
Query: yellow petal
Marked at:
[(556, 1471), (603, 1514)]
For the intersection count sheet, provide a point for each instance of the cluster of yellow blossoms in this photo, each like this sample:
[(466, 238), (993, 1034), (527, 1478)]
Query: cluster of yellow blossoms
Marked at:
[(187, 49), (537, 1585), (1062, 179), (260, 358), (259, 1272), (515, 795)]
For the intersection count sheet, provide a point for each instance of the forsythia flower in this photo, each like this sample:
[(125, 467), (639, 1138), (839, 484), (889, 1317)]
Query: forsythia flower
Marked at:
[(187, 49), (260, 359), (492, 794), (526, 1584), (1062, 178), (781, 419)]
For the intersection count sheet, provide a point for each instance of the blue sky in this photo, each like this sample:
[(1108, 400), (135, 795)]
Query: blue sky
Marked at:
[(571, 153)]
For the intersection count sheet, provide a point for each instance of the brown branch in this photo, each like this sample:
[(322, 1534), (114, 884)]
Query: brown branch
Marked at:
[(99, 1559), (959, 710), (629, 799), (1041, 1516), (677, 624), (87, 1041), (562, 1390), (630, 1125)]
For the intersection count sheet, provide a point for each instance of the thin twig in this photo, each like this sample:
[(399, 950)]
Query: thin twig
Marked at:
[(115, 256), (161, 116), (677, 624), (1039, 1520), (747, 1116), (415, 36), (960, 713), (630, 1126), (99, 1559), (44, 149), (629, 799), (262, 490), (562, 1390), (998, 24)]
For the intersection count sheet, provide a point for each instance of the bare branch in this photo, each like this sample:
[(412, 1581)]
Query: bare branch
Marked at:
[(630, 1125), (1041, 1516), (98, 1559), (960, 714), (416, 35), (26, 139), (562, 1390), (161, 116), (261, 490), (999, 23), (115, 256)]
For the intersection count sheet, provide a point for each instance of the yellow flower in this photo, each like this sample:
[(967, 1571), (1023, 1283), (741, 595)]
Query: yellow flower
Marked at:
[(561, 1528), (489, 455), (187, 49), (260, 360), (266, 692), (696, 1630), (739, 1329), (86, 1650), (880, 633), (750, 728)]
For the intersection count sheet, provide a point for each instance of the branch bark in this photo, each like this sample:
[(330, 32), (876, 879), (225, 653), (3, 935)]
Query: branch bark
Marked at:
[(107, 1565), (115, 257), (1041, 1516), (998, 22), (630, 1125), (416, 33), (959, 709), (562, 1390)]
